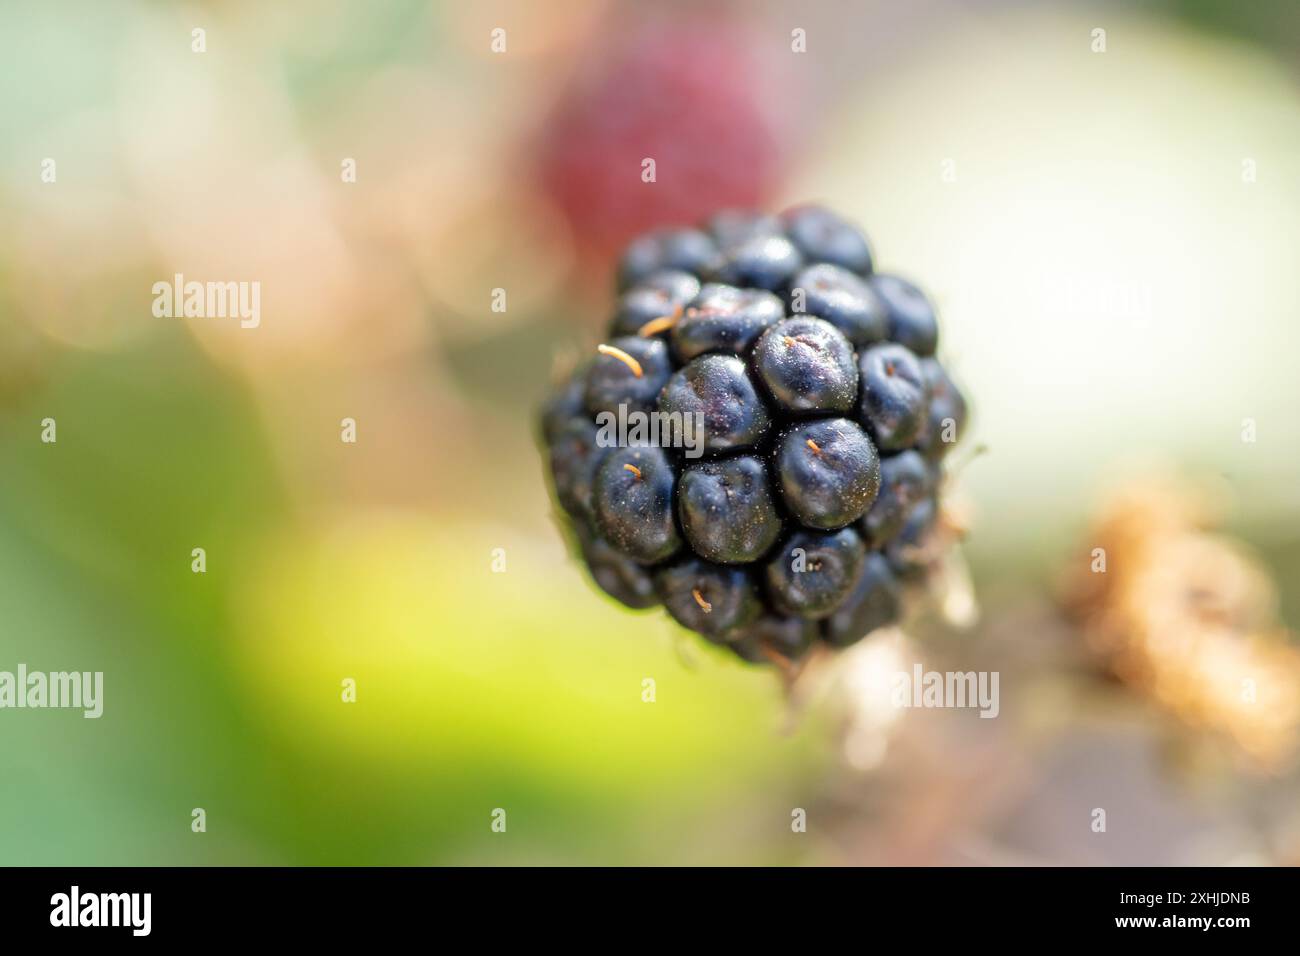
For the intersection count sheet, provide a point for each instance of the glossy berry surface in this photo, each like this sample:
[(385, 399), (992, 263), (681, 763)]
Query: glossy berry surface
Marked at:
[(947, 411), (613, 381), (619, 576), (843, 299), (829, 472), (872, 602), (822, 236), (712, 599), (660, 294), (720, 390), (764, 261), (895, 396), (632, 498), (575, 455), (683, 250), (807, 366), (723, 318), (910, 316), (905, 480), (814, 571), (757, 445), (727, 509), (909, 550)]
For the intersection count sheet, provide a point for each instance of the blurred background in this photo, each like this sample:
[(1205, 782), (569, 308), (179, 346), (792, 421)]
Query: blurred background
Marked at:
[(1107, 221)]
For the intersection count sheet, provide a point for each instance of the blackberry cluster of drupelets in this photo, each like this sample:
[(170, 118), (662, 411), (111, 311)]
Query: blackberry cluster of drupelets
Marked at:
[(809, 502)]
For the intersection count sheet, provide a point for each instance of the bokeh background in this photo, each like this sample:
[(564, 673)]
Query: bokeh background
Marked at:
[(1111, 237)]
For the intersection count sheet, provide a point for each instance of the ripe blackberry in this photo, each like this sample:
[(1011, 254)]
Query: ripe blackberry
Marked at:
[(829, 472), (727, 510), (660, 293), (717, 391), (627, 373), (723, 318), (895, 396), (685, 250), (814, 572), (632, 497), (845, 300), (807, 366), (779, 488)]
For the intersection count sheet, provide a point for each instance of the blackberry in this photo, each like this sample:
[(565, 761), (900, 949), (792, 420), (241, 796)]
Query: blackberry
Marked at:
[(727, 510), (713, 600), (843, 299), (807, 366), (815, 571), (823, 236), (575, 456), (947, 414), (718, 389), (905, 479), (783, 492), (829, 472), (872, 603), (766, 260), (723, 318), (632, 498), (627, 373), (618, 575), (911, 319), (661, 293), (895, 396), (909, 552), (686, 250), (773, 638)]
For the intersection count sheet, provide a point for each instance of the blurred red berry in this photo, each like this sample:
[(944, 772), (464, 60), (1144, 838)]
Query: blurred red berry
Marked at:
[(691, 95)]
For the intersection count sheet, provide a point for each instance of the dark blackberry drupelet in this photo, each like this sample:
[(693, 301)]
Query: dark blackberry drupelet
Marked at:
[(823, 236), (723, 318), (758, 443), (843, 299), (718, 392), (774, 639), (632, 497), (619, 576), (905, 479), (895, 396), (872, 603), (629, 372), (765, 261), (814, 571), (829, 472), (911, 319), (711, 599), (807, 366), (662, 293), (685, 250), (727, 510)]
